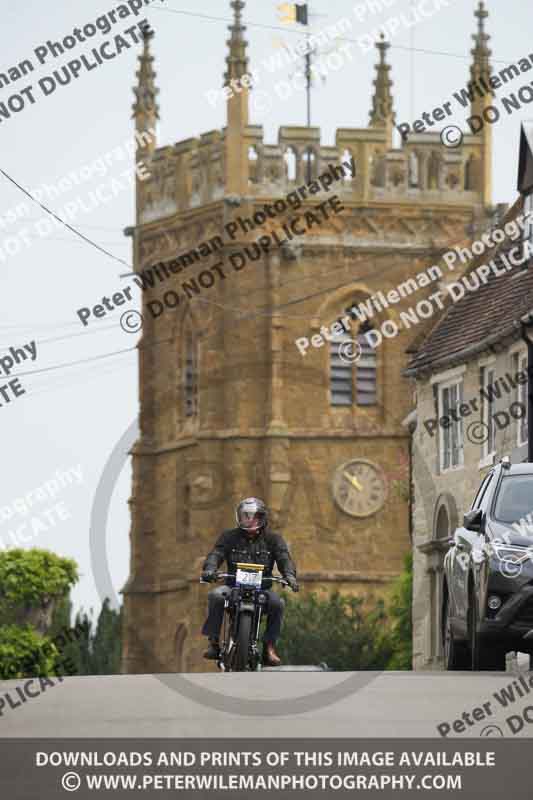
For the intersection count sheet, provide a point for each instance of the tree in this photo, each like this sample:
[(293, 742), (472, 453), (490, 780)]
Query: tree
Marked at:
[(339, 630), (400, 619), (348, 633), (24, 654), (32, 582), (95, 652), (107, 642), (33, 578)]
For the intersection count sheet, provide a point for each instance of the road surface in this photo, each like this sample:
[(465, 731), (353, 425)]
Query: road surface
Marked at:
[(289, 704)]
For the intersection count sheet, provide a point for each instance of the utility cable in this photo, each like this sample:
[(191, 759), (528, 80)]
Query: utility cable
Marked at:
[(286, 29), (62, 221)]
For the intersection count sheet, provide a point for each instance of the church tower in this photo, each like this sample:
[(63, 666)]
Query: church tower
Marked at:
[(230, 404)]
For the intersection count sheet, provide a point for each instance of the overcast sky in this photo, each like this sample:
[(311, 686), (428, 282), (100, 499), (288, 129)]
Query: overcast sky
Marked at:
[(74, 415)]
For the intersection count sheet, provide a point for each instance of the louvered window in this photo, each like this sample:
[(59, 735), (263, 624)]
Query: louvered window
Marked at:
[(366, 374), (353, 371)]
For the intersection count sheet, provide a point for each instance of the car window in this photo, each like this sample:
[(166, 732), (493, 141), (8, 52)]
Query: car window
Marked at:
[(515, 499), (480, 491), (484, 498)]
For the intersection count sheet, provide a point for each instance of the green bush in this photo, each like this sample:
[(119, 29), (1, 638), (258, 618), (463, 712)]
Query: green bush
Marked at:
[(27, 577), (399, 610), (337, 630), (25, 654), (91, 652), (349, 634)]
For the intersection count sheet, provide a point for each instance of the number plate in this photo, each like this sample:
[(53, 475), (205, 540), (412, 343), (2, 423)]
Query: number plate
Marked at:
[(246, 577)]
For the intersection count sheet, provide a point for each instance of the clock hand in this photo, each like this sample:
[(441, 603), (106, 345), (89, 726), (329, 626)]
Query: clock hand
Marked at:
[(353, 480)]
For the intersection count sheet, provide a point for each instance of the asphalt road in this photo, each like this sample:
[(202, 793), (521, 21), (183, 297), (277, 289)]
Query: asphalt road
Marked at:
[(289, 704)]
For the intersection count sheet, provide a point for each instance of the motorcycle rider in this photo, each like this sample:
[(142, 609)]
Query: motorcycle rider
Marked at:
[(252, 542)]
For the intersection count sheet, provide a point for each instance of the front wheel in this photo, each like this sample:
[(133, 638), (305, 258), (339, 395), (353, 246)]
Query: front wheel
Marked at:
[(242, 643), (456, 655)]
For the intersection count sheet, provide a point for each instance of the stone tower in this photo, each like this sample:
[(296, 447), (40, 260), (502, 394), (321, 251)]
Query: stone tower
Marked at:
[(229, 406)]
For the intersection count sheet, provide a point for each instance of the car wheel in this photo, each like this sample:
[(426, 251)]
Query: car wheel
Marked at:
[(485, 657), (456, 655)]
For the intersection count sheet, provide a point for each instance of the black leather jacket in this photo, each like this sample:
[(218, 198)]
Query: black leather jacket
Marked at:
[(268, 548)]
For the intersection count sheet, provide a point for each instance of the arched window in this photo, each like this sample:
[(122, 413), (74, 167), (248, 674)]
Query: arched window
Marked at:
[(290, 163), (346, 159), (253, 159), (353, 368), (309, 159), (413, 170), (190, 375)]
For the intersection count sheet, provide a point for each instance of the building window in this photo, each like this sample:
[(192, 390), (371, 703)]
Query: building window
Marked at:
[(253, 161), (353, 371), (191, 376), (487, 410), (341, 372), (346, 158), (309, 160), (290, 163), (450, 435), (366, 374), (522, 398), (414, 179)]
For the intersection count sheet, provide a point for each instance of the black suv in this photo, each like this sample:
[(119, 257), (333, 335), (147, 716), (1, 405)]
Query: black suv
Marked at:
[(487, 606)]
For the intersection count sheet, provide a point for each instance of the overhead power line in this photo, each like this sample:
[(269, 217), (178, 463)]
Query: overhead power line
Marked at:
[(62, 221), (286, 29)]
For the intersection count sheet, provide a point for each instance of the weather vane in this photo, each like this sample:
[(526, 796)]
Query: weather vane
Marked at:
[(298, 13)]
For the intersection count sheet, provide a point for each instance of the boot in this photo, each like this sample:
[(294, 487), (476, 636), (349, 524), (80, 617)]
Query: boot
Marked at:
[(213, 651), (270, 657)]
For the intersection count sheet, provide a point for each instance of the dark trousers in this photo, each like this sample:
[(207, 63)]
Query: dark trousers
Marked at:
[(215, 613)]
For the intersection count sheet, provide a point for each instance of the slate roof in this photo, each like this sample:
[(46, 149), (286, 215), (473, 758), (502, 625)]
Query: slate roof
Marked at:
[(480, 318)]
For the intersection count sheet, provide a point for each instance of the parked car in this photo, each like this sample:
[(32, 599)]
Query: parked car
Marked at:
[(487, 606)]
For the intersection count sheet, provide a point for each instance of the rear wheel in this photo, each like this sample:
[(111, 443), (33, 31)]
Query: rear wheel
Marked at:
[(242, 644), (456, 655), (485, 656)]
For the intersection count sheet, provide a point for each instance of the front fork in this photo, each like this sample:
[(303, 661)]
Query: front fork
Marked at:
[(261, 600)]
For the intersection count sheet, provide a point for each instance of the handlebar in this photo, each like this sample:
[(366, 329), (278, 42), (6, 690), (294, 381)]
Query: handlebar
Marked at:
[(219, 575)]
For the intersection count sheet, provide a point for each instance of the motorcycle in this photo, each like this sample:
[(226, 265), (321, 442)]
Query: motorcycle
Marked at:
[(243, 609)]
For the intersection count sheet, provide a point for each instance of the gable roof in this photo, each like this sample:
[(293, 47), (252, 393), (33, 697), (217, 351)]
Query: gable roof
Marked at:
[(481, 317)]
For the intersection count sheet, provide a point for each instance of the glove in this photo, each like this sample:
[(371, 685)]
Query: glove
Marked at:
[(208, 575), (291, 580)]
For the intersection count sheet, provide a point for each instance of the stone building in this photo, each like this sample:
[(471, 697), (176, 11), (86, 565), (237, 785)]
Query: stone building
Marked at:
[(471, 378), (229, 407)]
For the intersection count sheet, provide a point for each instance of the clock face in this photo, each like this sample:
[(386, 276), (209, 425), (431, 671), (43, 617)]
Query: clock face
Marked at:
[(359, 488)]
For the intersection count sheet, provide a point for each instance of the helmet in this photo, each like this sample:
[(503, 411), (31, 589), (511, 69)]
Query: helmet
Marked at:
[(252, 515)]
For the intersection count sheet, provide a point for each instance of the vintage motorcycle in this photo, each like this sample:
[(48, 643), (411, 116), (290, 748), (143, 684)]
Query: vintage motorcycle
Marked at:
[(243, 609)]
